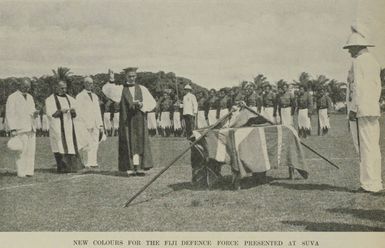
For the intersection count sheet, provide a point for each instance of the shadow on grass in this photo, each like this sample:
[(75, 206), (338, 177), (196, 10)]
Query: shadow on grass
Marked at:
[(8, 174), (333, 227), (374, 215), (223, 183), (310, 186)]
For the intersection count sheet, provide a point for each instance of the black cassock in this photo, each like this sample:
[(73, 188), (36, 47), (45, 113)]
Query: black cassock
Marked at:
[(133, 132)]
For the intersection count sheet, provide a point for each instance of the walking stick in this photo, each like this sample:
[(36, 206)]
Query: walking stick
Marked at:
[(177, 158), (308, 147)]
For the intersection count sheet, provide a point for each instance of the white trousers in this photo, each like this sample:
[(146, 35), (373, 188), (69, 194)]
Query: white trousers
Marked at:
[(323, 118), (367, 144), (107, 121), (116, 120), (25, 162), (286, 117), (91, 153)]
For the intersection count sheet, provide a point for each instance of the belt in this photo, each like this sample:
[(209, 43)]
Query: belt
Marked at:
[(323, 108), (302, 107), (285, 106)]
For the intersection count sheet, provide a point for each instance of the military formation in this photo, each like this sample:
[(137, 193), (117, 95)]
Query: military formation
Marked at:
[(279, 105)]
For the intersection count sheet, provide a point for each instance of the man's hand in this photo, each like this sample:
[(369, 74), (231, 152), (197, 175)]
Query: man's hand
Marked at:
[(36, 114), (13, 133), (352, 116), (64, 111)]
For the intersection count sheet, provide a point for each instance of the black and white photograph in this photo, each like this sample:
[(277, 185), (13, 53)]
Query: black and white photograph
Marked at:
[(192, 116)]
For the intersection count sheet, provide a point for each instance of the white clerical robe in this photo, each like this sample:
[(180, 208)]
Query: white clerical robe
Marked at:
[(114, 92), (19, 116), (61, 129)]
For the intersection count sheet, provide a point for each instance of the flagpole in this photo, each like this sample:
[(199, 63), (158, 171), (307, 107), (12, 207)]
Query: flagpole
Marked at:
[(177, 158)]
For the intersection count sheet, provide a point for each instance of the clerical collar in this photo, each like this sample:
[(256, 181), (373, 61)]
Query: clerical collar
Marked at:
[(128, 84), (62, 95)]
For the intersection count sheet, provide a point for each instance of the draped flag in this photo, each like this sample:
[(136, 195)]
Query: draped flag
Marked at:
[(255, 149)]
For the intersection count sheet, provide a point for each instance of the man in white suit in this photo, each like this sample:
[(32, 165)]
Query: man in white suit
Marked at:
[(89, 113), (20, 114), (364, 108)]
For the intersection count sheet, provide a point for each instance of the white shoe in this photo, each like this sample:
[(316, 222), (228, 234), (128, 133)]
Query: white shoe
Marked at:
[(130, 172)]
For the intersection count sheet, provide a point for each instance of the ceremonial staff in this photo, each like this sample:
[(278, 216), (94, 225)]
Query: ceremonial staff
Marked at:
[(308, 147), (178, 157)]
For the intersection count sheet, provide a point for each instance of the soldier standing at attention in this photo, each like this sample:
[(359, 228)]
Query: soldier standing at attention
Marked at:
[(269, 103), (324, 104), (305, 106), (286, 106), (202, 112)]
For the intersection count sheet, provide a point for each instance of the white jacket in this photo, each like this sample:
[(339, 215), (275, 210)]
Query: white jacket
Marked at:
[(19, 112), (365, 86), (190, 104), (89, 110)]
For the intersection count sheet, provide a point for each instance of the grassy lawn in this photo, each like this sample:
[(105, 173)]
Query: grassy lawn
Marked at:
[(94, 201)]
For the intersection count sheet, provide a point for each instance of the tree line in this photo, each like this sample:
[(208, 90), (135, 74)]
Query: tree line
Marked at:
[(42, 87)]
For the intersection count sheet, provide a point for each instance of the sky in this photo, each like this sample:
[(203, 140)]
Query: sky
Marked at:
[(213, 43)]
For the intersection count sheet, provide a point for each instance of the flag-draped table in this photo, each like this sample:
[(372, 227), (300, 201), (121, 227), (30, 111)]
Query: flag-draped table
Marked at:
[(248, 150)]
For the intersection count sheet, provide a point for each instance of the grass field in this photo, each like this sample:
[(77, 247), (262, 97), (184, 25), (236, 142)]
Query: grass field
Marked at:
[(94, 201)]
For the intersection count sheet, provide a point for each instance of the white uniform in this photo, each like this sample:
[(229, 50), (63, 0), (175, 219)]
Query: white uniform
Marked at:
[(363, 98), (44, 123), (19, 115), (89, 113)]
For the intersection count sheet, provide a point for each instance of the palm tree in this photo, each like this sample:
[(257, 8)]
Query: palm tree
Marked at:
[(280, 83), (259, 80), (337, 91), (303, 80), (319, 83), (63, 74)]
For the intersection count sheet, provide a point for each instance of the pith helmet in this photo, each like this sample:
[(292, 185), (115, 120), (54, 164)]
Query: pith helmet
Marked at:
[(358, 37)]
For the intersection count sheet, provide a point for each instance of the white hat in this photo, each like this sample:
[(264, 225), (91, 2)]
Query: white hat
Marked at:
[(187, 87), (358, 37), (15, 144)]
